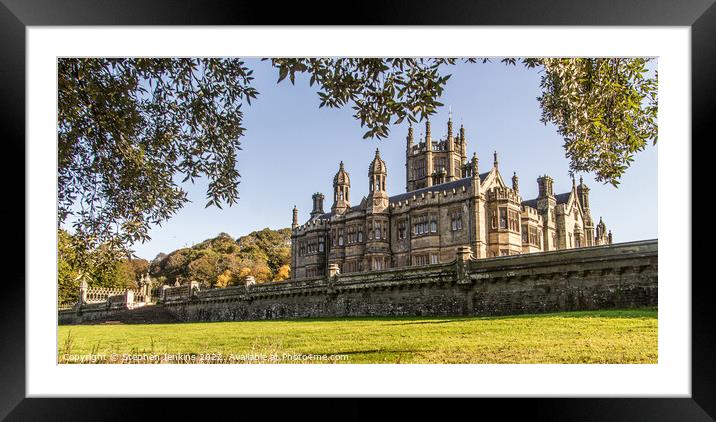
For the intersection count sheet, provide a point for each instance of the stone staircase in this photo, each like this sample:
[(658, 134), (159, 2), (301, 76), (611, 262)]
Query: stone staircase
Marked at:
[(150, 314)]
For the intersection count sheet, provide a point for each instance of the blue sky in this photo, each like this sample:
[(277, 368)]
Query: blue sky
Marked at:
[(291, 149)]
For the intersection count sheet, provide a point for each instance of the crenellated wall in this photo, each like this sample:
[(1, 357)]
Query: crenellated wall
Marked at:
[(615, 276)]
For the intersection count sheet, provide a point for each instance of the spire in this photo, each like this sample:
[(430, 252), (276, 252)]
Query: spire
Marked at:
[(428, 137), (410, 136), (495, 161), (574, 184), (377, 166), (515, 182), (581, 180), (462, 133)]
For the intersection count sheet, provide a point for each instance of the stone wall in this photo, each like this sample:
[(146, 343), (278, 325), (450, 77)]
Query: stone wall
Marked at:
[(615, 276)]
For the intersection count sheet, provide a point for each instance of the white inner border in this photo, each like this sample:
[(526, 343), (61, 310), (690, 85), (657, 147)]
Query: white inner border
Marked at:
[(670, 377)]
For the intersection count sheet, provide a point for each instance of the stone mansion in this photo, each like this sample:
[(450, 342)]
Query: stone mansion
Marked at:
[(448, 204)]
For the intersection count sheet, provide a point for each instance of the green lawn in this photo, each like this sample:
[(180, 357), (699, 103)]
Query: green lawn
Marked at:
[(613, 336)]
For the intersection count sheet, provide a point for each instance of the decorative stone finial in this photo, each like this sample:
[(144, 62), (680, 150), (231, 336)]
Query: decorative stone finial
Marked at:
[(449, 124), (475, 173)]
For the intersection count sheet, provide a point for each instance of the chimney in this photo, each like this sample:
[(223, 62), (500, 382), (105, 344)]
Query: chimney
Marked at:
[(317, 205)]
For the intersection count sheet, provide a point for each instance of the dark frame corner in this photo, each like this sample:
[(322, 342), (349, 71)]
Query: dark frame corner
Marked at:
[(15, 15)]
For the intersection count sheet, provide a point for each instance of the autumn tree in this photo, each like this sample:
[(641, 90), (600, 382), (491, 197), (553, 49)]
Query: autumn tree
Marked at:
[(128, 129), (283, 273), (224, 279)]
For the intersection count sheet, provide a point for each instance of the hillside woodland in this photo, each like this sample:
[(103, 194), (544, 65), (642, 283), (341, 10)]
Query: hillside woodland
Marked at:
[(218, 262)]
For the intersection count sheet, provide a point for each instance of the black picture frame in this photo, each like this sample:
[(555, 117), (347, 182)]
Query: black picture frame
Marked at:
[(16, 15)]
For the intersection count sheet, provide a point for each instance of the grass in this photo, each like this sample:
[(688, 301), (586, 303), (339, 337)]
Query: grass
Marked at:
[(610, 336)]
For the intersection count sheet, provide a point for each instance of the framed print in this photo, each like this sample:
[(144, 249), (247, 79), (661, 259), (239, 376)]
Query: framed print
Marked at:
[(463, 201)]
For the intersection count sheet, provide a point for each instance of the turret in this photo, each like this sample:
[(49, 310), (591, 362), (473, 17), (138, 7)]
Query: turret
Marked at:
[(583, 194), (463, 144), (408, 150), (546, 203), (317, 205), (428, 153), (515, 183), (583, 197), (602, 236), (377, 174), (495, 162), (294, 224), (474, 174), (451, 148), (341, 191)]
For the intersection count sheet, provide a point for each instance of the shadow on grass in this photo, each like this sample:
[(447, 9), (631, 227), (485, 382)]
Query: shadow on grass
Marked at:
[(647, 312)]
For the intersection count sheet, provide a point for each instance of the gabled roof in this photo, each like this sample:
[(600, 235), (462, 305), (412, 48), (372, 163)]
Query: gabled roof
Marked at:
[(561, 198), (530, 203)]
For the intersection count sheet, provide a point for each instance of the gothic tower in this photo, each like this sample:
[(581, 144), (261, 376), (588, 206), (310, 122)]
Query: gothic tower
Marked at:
[(435, 161), (377, 247), (583, 196), (546, 203), (408, 152)]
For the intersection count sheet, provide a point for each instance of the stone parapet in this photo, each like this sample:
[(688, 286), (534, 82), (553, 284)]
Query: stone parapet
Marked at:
[(620, 275)]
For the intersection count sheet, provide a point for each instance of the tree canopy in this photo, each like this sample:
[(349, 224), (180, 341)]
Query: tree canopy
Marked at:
[(223, 261), (132, 131)]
